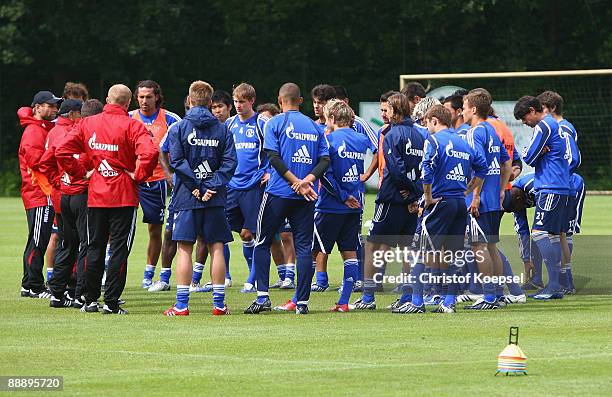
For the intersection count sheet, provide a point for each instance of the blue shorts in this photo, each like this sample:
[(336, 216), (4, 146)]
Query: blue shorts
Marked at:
[(242, 208), (443, 225), (485, 228), (209, 223), (170, 218), (550, 213), (152, 196), (392, 225), (341, 229)]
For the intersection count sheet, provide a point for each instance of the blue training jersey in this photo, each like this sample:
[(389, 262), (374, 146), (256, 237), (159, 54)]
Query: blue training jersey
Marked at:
[(171, 117), (484, 139), (447, 164), (573, 155), (299, 142), (347, 152), (462, 130), (203, 156), (421, 129), (362, 126), (403, 154), (551, 167), (248, 140)]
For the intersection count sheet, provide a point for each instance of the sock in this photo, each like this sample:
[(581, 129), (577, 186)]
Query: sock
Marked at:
[(251, 278), (164, 274), (182, 297), (109, 252), (489, 292), (570, 277), (472, 270), (437, 285), (262, 297), (453, 287), (550, 249), (360, 259), (219, 295), (149, 272), (247, 251), (281, 271), (49, 273), (563, 277), (198, 268), (322, 279), (513, 287), (427, 286), (290, 271), (406, 293), (351, 271), (226, 254), (417, 284), (369, 287)]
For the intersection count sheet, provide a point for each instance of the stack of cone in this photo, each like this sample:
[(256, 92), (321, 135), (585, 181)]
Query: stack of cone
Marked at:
[(512, 361)]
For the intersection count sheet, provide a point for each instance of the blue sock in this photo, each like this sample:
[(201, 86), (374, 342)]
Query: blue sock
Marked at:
[(262, 297), (290, 271), (513, 287), (281, 271), (451, 293), (369, 287), (49, 273), (417, 285), (198, 268), (428, 287), (251, 278), (437, 285), (247, 251), (570, 277), (406, 293), (182, 296), (351, 271), (489, 291), (472, 270), (164, 274), (218, 295), (550, 249), (563, 277), (109, 252), (149, 272), (322, 279), (360, 259), (536, 260), (226, 255)]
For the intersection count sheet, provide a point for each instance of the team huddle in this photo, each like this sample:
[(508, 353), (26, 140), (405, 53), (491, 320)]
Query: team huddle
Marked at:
[(292, 188)]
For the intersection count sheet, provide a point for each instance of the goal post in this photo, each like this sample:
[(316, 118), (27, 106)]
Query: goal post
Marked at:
[(588, 105)]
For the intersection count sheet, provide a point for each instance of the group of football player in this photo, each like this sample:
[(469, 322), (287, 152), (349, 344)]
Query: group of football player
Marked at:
[(293, 187)]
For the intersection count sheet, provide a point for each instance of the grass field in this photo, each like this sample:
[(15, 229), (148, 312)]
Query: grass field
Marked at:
[(568, 342)]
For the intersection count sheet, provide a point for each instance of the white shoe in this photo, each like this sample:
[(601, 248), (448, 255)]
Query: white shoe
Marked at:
[(228, 282), (468, 298), (197, 288), (515, 298), (159, 286), (277, 284)]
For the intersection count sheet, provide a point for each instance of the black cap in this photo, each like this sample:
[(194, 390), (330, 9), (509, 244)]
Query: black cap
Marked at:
[(69, 105), (45, 97)]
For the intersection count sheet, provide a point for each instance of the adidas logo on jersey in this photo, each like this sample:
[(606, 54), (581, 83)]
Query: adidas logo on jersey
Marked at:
[(456, 174), (302, 156), (106, 170), (494, 167), (203, 170), (66, 179), (352, 175)]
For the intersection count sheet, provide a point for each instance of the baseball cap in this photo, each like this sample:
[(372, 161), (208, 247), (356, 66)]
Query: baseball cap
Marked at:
[(69, 105), (45, 97)]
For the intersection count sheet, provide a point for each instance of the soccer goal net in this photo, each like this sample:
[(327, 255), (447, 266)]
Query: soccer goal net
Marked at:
[(588, 105)]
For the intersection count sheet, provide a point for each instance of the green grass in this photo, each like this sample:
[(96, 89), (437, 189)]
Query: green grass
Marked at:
[(568, 342)]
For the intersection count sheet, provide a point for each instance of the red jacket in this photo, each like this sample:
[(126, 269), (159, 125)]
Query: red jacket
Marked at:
[(61, 181), (31, 149), (116, 145)]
